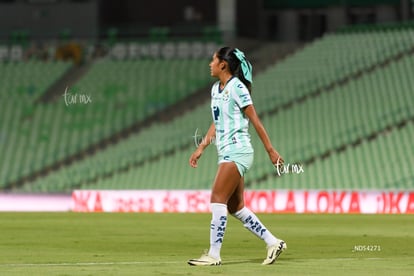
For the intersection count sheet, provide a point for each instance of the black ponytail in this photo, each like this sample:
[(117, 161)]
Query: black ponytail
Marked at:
[(228, 54)]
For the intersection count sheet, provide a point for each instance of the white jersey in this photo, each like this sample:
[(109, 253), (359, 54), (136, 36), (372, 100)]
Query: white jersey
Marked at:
[(231, 123)]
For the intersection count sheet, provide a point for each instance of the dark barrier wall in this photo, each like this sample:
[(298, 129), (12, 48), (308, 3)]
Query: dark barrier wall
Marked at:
[(46, 19)]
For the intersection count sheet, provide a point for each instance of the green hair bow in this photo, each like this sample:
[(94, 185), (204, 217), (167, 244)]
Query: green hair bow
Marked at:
[(245, 65)]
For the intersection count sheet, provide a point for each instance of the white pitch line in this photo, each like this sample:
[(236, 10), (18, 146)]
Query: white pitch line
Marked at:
[(84, 264), (149, 262), (342, 259)]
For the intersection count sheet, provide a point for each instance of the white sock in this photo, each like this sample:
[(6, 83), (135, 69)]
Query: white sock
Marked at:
[(251, 222), (217, 229)]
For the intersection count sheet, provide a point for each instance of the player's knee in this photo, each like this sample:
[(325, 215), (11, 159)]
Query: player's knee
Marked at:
[(217, 198), (233, 207)]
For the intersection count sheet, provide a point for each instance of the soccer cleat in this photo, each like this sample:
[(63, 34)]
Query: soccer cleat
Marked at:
[(274, 251), (204, 260)]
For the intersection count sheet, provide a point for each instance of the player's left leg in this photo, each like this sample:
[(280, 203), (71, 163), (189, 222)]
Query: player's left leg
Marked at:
[(250, 221)]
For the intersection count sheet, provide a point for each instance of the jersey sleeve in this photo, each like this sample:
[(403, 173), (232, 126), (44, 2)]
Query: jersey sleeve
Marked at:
[(241, 95)]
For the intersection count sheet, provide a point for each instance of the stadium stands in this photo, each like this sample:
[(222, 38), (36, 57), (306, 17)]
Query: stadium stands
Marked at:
[(119, 94), (340, 107), (330, 59), (23, 134), (383, 163)]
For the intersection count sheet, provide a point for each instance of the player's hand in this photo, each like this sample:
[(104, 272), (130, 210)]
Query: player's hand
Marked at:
[(194, 158), (275, 157)]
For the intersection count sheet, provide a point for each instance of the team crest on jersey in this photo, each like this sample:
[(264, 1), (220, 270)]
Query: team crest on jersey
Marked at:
[(226, 96)]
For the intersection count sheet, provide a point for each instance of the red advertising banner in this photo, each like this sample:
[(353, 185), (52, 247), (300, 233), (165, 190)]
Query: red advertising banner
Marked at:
[(262, 201)]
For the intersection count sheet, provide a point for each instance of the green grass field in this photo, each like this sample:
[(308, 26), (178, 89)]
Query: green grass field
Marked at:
[(160, 244)]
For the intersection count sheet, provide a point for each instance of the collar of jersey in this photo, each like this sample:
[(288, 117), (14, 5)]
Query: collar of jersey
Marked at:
[(221, 90)]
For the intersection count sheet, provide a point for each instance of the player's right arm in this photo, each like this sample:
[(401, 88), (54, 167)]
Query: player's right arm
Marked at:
[(210, 136)]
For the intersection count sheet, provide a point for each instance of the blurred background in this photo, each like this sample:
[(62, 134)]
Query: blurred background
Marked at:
[(115, 94)]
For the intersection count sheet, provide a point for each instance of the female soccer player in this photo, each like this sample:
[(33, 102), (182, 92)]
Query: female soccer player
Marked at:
[(232, 109)]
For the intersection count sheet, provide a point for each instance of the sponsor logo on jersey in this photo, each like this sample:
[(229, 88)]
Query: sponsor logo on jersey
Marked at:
[(245, 98)]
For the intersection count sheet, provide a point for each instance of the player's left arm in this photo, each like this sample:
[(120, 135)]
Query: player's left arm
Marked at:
[(274, 156)]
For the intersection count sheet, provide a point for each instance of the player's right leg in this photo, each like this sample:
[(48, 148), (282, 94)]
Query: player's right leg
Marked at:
[(226, 181)]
